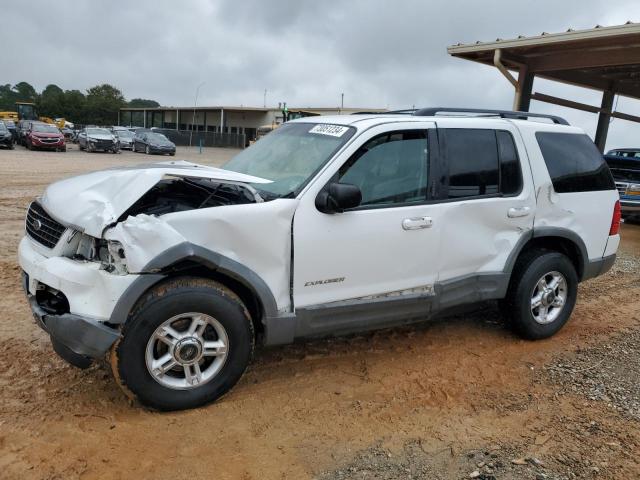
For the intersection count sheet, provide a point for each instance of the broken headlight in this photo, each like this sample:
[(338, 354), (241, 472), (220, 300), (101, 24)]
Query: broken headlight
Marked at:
[(113, 258)]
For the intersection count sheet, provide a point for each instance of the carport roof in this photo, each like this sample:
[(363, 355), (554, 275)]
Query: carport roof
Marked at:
[(602, 58)]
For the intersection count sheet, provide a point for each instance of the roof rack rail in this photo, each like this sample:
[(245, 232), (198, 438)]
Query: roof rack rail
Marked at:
[(432, 112), (409, 111)]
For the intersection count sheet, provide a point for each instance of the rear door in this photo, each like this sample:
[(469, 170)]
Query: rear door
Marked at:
[(487, 203)]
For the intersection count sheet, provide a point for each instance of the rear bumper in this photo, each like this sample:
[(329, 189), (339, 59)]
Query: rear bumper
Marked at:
[(598, 267)]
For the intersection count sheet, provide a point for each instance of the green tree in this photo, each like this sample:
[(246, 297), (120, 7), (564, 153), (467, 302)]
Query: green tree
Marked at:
[(143, 103), (8, 98), (51, 102), (75, 106), (103, 103), (25, 92)]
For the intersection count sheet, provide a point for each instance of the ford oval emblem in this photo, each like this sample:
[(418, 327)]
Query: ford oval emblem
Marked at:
[(36, 224)]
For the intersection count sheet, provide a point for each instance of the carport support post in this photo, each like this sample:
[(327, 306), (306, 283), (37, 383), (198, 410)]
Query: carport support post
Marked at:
[(523, 93), (177, 119), (604, 118)]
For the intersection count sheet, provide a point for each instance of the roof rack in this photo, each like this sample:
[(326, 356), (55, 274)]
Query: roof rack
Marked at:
[(409, 111), (432, 112)]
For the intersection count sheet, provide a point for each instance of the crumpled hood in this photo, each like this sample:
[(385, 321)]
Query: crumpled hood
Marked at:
[(95, 200)]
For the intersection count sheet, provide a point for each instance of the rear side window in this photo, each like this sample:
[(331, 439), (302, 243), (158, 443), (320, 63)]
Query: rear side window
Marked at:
[(472, 156), (481, 162), (574, 162), (510, 172)]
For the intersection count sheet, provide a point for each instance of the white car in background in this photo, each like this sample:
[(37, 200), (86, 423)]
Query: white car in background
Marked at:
[(328, 225)]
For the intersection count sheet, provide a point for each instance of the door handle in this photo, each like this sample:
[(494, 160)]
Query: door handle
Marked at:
[(516, 212), (416, 223)]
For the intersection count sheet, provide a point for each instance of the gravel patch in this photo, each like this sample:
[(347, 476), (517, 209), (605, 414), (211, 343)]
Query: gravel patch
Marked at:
[(626, 263), (414, 462), (608, 372)]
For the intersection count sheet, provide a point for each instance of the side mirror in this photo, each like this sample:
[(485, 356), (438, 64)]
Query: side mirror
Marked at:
[(338, 197)]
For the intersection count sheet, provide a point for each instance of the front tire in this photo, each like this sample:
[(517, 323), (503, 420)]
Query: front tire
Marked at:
[(542, 294), (186, 344), (147, 150)]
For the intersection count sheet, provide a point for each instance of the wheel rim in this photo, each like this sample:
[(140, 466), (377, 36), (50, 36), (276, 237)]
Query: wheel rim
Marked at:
[(549, 297), (187, 351)]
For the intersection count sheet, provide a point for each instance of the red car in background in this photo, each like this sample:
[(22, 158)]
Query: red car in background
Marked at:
[(44, 135)]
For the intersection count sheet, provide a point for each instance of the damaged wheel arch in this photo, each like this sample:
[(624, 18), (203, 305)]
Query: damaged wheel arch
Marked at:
[(189, 259)]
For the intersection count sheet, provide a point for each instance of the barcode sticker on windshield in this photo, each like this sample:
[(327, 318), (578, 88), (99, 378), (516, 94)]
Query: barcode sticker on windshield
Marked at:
[(326, 129)]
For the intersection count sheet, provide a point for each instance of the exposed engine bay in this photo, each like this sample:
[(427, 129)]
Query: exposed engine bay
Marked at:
[(182, 194)]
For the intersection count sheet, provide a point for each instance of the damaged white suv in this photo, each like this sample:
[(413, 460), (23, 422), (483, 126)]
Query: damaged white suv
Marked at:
[(328, 225)]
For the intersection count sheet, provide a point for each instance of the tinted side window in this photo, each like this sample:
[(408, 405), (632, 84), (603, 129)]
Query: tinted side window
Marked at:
[(510, 171), (390, 169), (472, 156), (574, 163)]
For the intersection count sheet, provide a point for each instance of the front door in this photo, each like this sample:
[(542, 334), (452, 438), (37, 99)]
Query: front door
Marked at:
[(385, 248)]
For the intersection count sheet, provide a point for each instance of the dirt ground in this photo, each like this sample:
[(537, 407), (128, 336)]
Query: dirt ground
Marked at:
[(460, 397)]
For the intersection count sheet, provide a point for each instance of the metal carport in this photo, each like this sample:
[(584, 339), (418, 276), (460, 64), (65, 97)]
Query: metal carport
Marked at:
[(606, 59)]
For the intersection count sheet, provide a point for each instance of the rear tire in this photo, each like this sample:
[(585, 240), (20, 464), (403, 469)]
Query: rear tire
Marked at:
[(541, 295), (169, 384)]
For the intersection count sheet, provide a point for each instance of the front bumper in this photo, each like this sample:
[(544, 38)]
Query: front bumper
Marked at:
[(161, 150), (104, 145), (83, 336), (36, 142), (91, 294)]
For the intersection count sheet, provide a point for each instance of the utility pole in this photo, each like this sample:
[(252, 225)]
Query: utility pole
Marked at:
[(341, 102), (264, 103), (195, 103)]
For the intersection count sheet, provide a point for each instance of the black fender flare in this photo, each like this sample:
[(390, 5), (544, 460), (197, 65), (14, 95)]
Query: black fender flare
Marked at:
[(541, 232), (155, 271)]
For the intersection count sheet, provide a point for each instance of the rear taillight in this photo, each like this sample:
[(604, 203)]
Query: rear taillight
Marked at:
[(615, 220)]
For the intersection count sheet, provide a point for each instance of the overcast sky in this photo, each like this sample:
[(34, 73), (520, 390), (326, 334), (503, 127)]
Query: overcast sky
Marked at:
[(380, 53)]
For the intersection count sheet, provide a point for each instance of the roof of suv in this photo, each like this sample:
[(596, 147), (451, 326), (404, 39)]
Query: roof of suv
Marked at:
[(365, 121)]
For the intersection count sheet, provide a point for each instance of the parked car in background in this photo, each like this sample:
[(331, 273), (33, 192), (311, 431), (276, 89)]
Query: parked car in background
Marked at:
[(93, 139), (21, 129), (125, 138), (67, 132), (625, 168), (45, 136), (11, 126), (6, 138), (151, 143)]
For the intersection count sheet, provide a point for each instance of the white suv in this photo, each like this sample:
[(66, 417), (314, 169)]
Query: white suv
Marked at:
[(328, 225)]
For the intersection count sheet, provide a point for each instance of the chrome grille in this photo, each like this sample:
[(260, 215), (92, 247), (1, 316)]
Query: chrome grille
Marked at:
[(41, 227), (622, 187)]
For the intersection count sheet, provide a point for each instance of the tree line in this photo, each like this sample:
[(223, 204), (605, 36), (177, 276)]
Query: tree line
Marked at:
[(99, 105)]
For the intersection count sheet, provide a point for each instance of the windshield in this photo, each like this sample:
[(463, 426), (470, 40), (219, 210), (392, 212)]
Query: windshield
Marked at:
[(158, 137), (290, 155), (45, 129), (98, 131), (124, 134), (624, 153)]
